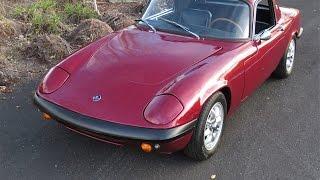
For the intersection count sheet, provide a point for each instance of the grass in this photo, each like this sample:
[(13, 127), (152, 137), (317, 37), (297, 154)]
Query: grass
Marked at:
[(44, 5), (2, 9), (77, 12), (19, 12), (42, 14), (43, 23), (46, 16)]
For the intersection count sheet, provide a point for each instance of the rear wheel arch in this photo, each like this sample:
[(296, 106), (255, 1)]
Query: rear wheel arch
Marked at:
[(282, 71)]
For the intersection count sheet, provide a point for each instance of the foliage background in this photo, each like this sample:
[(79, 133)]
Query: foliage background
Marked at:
[(37, 34)]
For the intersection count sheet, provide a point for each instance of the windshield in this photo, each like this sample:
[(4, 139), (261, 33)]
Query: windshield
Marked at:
[(223, 19)]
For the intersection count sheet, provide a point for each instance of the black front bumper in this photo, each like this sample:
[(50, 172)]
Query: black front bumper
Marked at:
[(109, 129)]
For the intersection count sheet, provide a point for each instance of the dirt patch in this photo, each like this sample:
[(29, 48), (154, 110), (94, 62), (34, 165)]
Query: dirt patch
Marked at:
[(88, 31), (121, 15), (48, 49), (130, 8), (10, 28), (15, 66), (4, 78), (118, 21)]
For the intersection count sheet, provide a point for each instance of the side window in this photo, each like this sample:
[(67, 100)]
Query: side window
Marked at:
[(265, 17)]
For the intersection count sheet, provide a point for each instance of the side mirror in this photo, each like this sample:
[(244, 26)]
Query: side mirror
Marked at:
[(266, 35)]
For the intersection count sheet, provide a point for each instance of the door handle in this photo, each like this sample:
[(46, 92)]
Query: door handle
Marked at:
[(281, 27)]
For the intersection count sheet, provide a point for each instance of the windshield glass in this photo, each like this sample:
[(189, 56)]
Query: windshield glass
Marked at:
[(223, 19)]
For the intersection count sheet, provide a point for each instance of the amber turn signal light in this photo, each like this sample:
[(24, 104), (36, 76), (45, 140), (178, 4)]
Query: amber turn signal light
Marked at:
[(146, 147), (46, 117)]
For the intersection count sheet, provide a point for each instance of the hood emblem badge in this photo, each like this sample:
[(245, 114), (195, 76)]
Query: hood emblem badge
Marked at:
[(96, 98)]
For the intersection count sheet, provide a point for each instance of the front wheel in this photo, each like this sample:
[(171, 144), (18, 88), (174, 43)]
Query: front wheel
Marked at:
[(208, 131), (286, 64)]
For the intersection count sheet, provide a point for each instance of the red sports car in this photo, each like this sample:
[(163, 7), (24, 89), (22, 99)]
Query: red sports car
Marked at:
[(169, 82)]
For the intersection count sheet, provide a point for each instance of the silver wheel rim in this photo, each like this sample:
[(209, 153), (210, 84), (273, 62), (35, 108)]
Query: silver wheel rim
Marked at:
[(213, 127), (290, 56)]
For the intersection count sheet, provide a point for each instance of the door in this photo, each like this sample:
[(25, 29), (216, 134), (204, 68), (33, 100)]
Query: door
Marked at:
[(264, 62)]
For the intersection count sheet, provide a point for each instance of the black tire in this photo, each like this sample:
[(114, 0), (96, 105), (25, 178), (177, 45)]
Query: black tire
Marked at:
[(282, 71), (196, 148)]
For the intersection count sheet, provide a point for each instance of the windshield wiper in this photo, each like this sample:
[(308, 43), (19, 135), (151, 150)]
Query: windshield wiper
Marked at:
[(146, 22), (180, 26)]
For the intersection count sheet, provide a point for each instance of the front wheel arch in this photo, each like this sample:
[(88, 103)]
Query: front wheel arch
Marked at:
[(196, 147), (224, 89), (227, 93)]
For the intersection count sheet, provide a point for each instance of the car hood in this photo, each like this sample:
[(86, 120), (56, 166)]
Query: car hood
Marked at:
[(127, 71), (146, 58)]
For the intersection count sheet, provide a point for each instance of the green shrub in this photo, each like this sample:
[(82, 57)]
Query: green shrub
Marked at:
[(20, 12), (46, 15), (44, 5), (46, 23), (42, 14), (77, 12)]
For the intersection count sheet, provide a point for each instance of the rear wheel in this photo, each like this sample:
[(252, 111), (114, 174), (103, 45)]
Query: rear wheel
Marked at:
[(208, 131), (286, 64)]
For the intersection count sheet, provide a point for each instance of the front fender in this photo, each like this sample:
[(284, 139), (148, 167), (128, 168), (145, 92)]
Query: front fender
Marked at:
[(210, 89), (193, 89)]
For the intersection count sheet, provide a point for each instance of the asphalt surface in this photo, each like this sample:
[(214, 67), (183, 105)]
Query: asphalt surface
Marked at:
[(275, 134)]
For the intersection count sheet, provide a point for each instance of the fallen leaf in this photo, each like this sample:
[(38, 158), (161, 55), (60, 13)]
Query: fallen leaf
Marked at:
[(4, 89)]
